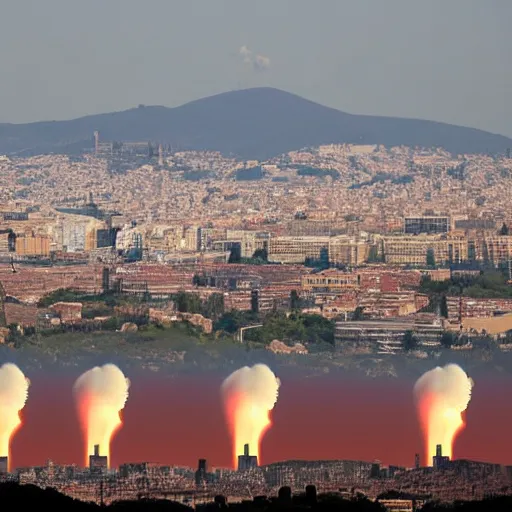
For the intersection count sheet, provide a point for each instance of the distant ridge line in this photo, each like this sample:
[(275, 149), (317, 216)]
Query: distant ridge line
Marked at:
[(258, 123)]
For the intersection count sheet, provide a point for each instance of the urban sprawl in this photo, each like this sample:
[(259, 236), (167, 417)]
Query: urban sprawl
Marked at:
[(375, 250), (384, 242)]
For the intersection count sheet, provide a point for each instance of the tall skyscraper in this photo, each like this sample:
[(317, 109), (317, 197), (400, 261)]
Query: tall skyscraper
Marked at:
[(439, 461), (247, 461), (201, 473), (98, 463)]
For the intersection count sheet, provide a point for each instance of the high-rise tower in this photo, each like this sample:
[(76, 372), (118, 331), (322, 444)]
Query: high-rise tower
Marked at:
[(98, 463), (247, 461)]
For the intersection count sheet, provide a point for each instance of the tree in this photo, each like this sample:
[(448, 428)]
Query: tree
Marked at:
[(255, 306), (232, 321), (188, 302), (324, 258), (235, 255), (447, 339), (431, 259), (214, 306), (14, 331), (444, 307), (260, 254), (410, 341), (358, 313), (504, 231), (373, 255), (200, 279), (294, 300)]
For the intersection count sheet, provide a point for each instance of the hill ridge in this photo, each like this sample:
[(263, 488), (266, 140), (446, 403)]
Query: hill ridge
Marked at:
[(256, 123)]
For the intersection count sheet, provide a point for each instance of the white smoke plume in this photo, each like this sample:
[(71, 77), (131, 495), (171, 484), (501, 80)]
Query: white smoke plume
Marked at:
[(256, 61), (101, 393), (13, 395), (442, 395), (250, 393)]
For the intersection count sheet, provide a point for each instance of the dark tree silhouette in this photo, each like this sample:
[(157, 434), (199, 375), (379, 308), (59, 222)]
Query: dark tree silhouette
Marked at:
[(294, 300), (447, 339), (410, 341), (431, 259)]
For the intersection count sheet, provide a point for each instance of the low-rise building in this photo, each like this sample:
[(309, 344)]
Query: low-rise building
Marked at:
[(386, 335)]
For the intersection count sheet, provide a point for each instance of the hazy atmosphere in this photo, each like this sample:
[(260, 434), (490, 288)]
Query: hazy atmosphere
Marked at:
[(445, 61), (256, 256)]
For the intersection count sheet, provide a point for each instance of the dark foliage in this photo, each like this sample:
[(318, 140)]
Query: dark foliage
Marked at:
[(486, 285)]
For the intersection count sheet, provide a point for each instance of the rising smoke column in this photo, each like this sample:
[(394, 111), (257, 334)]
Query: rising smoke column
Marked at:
[(13, 395), (100, 395), (249, 393), (442, 395)]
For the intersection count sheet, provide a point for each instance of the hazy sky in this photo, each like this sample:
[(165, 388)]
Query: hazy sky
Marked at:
[(446, 60)]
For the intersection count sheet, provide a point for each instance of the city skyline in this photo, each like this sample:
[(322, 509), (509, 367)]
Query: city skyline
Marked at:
[(182, 447)]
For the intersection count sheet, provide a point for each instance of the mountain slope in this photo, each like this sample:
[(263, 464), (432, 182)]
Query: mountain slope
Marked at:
[(252, 123)]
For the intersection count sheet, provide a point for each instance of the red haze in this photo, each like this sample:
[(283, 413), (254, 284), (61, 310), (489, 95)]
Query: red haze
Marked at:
[(178, 420)]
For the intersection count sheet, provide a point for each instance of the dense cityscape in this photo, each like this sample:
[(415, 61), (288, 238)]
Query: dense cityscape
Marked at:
[(408, 488), (133, 236), (319, 228), (256, 256)]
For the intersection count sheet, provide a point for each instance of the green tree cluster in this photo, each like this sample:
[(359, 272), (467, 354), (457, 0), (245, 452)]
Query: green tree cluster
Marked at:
[(293, 328), (212, 307), (187, 302), (490, 284), (431, 259)]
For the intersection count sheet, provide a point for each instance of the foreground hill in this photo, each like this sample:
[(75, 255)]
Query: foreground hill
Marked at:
[(252, 124)]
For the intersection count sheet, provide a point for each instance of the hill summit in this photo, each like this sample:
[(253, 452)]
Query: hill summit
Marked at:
[(252, 124)]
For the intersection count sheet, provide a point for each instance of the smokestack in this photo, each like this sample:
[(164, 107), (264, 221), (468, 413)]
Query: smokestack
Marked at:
[(439, 450), (246, 450), (417, 461), (96, 450)]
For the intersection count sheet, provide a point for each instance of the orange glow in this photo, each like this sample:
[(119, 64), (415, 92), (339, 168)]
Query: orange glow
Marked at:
[(13, 395), (440, 425), (100, 395), (442, 396), (247, 424), (249, 396), (99, 423)]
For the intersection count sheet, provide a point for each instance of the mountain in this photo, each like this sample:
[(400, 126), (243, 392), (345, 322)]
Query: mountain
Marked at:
[(252, 124)]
